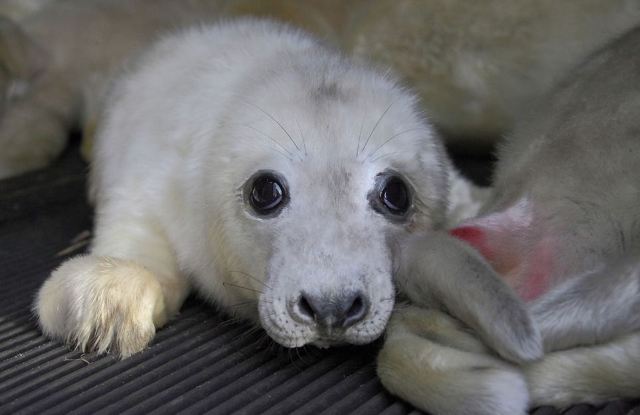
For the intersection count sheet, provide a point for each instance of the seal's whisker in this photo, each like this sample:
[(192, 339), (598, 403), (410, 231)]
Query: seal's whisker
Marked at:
[(247, 333), (251, 127), (304, 142), (281, 153), (226, 283), (383, 155), (276, 121), (376, 126), (244, 303), (391, 138), (252, 277), (359, 138), (230, 322)]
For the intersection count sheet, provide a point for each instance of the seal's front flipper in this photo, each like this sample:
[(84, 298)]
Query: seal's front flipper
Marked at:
[(437, 270)]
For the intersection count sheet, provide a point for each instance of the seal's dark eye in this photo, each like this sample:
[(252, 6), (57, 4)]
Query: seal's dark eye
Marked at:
[(391, 196), (267, 194), (395, 196)]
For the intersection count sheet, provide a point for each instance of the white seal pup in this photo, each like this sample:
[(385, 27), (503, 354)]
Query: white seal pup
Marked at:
[(563, 229), (254, 164)]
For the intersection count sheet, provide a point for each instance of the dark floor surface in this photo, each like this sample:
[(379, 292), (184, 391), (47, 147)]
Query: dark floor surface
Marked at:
[(201, 362)]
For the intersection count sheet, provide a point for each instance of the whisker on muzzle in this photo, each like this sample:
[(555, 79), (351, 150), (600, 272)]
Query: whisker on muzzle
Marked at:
[(252, 277), (244, 303), (230, 284)]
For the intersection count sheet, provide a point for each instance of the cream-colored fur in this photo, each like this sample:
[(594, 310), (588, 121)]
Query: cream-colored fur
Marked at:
[(186, 131), (103, 304)]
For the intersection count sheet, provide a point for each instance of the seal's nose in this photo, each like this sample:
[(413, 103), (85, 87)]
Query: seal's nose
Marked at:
[(333, 312)]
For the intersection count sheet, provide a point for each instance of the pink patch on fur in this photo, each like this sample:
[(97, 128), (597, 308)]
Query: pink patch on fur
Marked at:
[(474, 236), (537, 278)]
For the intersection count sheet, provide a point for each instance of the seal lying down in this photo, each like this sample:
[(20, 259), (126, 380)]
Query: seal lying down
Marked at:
[(563, 229), (252, 164)]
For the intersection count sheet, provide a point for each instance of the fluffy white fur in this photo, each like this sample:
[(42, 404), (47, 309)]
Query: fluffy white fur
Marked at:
[(185, 130)]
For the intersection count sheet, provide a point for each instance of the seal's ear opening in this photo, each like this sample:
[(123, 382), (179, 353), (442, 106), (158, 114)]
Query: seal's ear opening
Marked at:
[(499, 237), (20, 57)]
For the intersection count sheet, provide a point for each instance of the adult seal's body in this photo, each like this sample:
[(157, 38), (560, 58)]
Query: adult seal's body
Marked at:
[(253, 164)]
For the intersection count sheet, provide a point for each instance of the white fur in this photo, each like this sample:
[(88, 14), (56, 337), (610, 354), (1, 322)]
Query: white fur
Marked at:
[(201, 113), (465, 199), (102, 304)]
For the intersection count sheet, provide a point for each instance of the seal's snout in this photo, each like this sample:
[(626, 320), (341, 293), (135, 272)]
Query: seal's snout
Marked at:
[(331, 312)]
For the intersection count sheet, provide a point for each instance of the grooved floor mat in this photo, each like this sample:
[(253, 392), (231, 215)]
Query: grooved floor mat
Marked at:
[(202, 362)]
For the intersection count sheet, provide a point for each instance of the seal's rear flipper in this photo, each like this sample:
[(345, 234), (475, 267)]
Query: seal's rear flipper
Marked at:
[(438, 271)]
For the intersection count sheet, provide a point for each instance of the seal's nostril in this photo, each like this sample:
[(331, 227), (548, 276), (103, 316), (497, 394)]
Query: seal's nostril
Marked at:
[(357, 310), (305, 308)]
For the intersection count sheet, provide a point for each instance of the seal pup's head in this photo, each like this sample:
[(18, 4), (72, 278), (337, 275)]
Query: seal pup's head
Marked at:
[(331, 165)]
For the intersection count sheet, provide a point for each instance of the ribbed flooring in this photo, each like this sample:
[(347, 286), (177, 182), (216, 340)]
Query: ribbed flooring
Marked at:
[(200, 363)]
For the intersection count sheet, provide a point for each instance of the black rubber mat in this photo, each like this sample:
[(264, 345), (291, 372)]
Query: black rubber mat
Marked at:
[(202, 362)]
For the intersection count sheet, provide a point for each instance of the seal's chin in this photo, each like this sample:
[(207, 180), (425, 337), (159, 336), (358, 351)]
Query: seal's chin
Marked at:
[(321, 340)]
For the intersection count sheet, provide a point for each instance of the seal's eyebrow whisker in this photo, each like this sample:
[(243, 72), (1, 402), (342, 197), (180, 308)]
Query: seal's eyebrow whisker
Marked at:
[(388, 140), (383, 155), (251, 127), (376, 125), (230, 284), (304, 143), (276, 121), (359, 138), (252, 277)]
